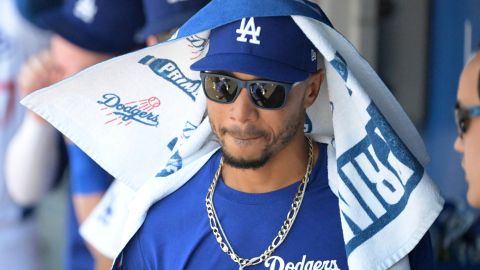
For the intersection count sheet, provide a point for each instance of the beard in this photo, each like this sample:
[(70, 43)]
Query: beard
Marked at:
[(275, 143)]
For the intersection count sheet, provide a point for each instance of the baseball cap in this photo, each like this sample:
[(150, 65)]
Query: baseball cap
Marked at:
[(273, 48), (165, 15), (30, 9), (106, 26)]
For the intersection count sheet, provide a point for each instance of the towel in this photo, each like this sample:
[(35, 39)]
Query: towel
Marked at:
[(142, 117)]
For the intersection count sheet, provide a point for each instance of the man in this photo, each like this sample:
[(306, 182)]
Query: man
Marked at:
[(85, 34), (263, 200), (467, 111)]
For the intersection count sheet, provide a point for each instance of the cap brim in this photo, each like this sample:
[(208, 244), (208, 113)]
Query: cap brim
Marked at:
[(250, 64)]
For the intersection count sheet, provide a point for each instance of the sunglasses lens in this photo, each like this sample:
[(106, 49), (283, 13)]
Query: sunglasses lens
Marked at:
[(268, 95), (462, 120), (463, 125), (220, 89)]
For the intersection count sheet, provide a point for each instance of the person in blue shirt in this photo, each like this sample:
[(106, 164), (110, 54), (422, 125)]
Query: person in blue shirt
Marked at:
[(263, 200)]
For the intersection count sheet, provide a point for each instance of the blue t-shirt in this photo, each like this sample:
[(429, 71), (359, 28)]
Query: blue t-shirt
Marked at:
[(176, 233), (86, 176)]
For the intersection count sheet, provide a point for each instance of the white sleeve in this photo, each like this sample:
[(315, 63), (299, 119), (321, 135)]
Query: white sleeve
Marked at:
[(32, 161)]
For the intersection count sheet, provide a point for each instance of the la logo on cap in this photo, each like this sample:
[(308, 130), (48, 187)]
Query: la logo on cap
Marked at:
[(248, 29), (85, 10)]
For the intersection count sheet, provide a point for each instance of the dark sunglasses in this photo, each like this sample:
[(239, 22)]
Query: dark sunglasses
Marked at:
[(264, 94), (463, 116)]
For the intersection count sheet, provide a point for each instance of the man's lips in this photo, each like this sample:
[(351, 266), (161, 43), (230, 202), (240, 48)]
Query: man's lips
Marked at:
[(245, 140)]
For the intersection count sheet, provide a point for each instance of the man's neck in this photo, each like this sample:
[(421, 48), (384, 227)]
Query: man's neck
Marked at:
[(283, 169)]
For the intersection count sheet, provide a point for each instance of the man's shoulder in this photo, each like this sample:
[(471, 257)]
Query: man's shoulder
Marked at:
[(185, 203)]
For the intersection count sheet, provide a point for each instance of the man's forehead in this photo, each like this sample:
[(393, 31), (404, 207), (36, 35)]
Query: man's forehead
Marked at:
[(240, 75), (244, 76), (468, 91), (472, 70)]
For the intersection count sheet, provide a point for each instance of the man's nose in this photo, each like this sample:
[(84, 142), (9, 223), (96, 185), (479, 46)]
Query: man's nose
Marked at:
[(458, 144), (243, 110)]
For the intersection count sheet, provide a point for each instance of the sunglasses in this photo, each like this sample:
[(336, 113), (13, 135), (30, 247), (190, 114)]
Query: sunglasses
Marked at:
[(463, 116), (264, 94)]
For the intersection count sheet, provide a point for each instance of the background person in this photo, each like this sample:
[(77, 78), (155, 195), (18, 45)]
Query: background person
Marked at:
[(467, 111), (86, 33), (103, 227), (163, 17), (19, 238)]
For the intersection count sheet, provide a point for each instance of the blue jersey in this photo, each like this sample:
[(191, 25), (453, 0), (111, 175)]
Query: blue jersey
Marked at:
[(176, 233), (86, 176)]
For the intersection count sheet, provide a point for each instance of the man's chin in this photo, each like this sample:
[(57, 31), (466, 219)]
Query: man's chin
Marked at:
[(244, 149), (245, 161)]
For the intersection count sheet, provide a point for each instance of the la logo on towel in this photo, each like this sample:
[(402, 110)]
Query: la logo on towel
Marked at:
[(249, 29)]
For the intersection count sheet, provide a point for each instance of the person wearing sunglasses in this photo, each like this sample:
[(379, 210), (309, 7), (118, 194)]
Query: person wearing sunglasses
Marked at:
[(258, 82), (467, 112)]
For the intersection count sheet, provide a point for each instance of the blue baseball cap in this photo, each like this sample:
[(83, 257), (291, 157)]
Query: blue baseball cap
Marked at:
[(165, 15), (273, 48), (106, 26), (30, 9)]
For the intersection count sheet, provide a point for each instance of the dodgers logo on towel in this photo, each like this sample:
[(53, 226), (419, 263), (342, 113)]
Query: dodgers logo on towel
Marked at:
[(139, 111), (168, 70), (393, 173)]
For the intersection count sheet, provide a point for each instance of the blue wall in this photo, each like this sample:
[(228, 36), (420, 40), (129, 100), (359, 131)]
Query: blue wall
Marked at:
[(447, 43)]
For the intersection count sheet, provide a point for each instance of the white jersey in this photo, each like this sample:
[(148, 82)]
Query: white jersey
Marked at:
[(18, 40)]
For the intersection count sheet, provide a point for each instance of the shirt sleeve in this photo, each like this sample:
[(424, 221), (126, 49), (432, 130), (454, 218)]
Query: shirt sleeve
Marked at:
[(86, 176), (33, 162), (421, 257)]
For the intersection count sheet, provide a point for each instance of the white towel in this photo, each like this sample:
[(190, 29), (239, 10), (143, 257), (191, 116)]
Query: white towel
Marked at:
[(142, 117)]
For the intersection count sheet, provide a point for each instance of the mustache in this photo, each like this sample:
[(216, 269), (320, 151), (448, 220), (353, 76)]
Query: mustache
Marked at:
[(247, 132)]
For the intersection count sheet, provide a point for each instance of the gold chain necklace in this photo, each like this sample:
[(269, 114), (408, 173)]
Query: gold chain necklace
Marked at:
[(282, 233)]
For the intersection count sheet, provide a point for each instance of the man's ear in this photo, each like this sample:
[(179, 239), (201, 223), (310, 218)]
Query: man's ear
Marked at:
[(313, 87)]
